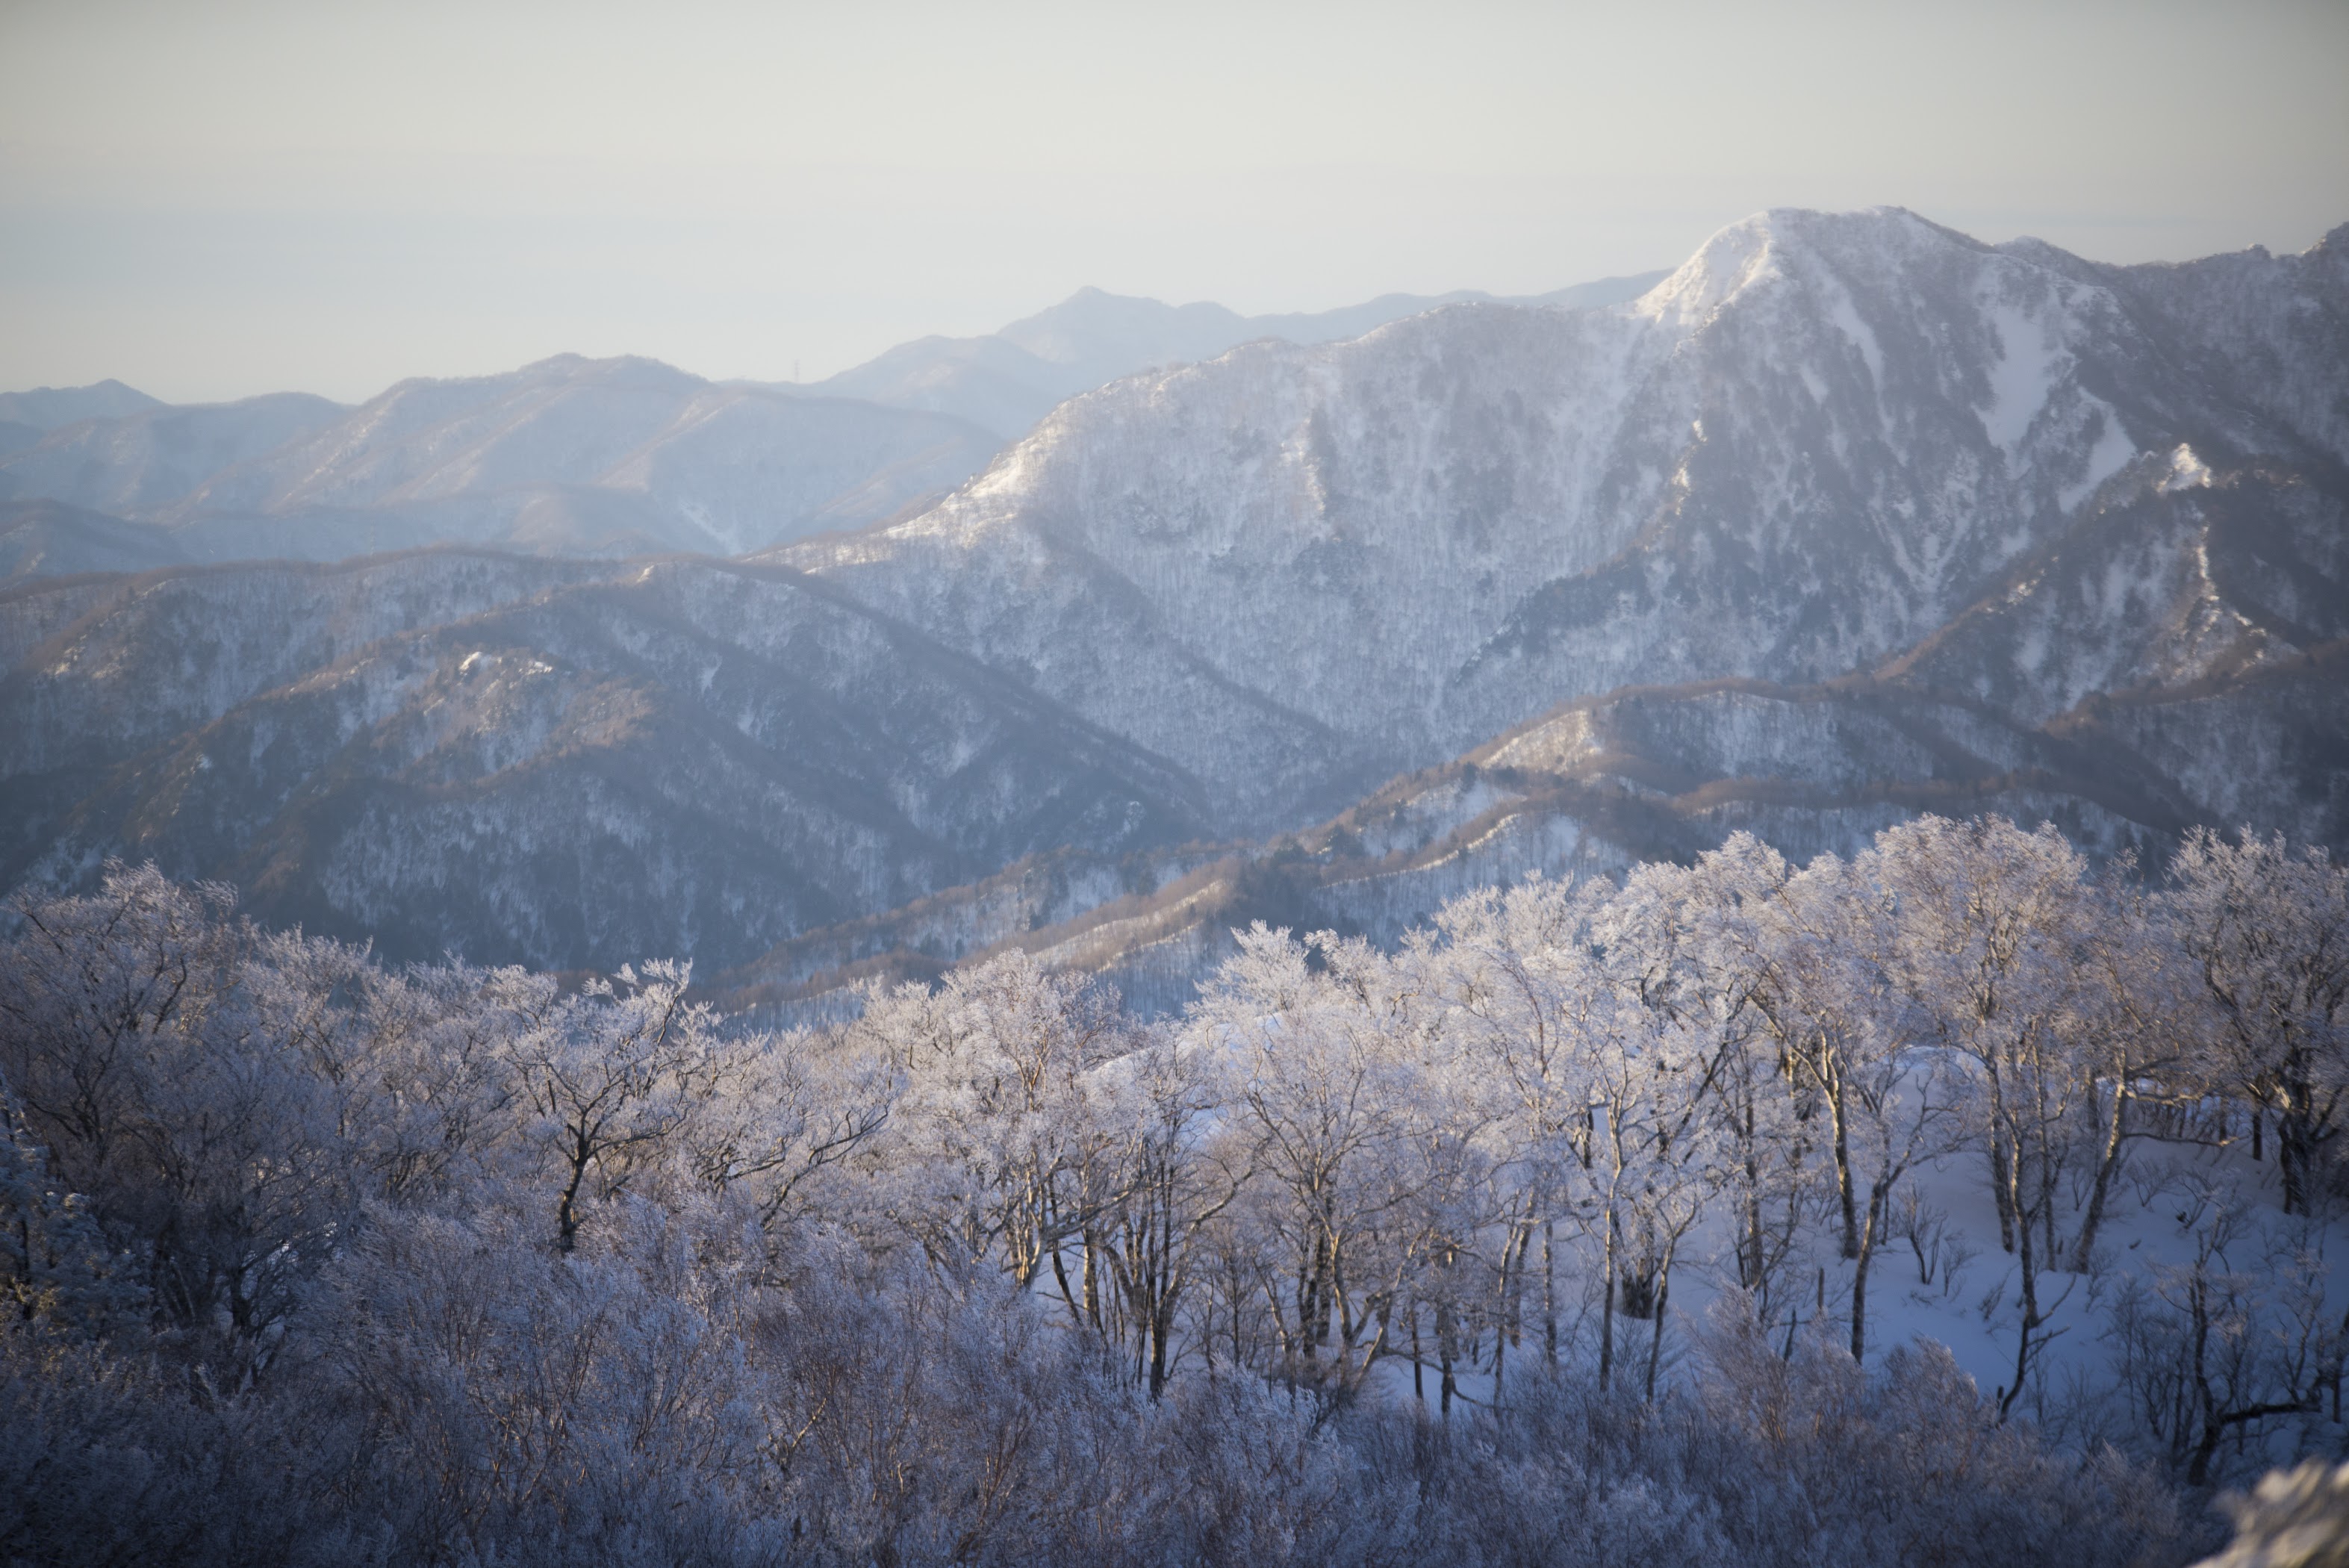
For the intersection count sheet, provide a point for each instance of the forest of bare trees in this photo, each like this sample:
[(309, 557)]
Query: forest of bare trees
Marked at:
[(1566, 1233)]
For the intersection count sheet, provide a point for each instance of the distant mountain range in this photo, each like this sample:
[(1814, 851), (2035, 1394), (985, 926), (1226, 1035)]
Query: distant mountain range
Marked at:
[(1008, 380), (579, 457), (26, 417), (1850, 516), (566, 456)]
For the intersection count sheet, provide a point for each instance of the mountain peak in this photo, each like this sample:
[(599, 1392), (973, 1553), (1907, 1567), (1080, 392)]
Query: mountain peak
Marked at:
[(1780, 241), (1096, 330), (618, 366), (53, 408), (1741, 256)]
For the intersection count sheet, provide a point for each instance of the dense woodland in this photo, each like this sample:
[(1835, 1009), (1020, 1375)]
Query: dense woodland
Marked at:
[(1498, 1248)]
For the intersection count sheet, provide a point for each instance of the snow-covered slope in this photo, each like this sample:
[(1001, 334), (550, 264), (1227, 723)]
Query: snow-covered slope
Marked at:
[(1800, 455), (2181, 574), (144, 465), (526, 761), (569, 456), (1647, 773), (1008, 380), (50, 407), (1849, 518), (48, 539)]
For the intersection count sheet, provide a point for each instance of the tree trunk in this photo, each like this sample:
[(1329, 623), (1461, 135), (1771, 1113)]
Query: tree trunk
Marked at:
[(2106, 1163), (1093, 1281), (1161, 1328), (1879, 1196), (1656, 1329), (1550, 1292), (2002, 1198), (2295, 1139), (1444, 1353), (1607, 1315), (567, 1213), (1844, 1184), (2028, 1267)]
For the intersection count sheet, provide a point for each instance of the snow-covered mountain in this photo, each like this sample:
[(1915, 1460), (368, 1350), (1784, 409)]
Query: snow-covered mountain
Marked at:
[(1008, 380), (569, 456), (1643, 774), (145, 465), (1850, 517), (26, 417), (536, 758), (610, 457), (1297, 571), (50, 539), (51, 408)]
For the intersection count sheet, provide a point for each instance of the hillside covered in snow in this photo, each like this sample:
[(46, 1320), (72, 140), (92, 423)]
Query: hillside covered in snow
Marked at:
[(581, 457), (1955, 1203), (1850, 517)]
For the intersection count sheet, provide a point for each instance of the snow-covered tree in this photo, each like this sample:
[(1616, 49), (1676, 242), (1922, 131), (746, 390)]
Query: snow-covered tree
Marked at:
[(57, 1271), (1000, 1148), (611, 1079), (1326, 1093), (2268, 929), (1991, 926)]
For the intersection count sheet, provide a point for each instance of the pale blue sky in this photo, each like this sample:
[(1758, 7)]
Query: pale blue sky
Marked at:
[(209, 200)]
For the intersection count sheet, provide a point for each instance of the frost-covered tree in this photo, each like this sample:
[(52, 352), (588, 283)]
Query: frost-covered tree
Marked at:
[(1326, 1090), (612, 1079), (57, 1271), (1991, 926), (1000, 1146), (2138, 1042), (153, 1056), (1506, 973), (996, 1274), (1826, 946), (787, 1118), (1774, 1000), (2269, 931), (1181, 1173)]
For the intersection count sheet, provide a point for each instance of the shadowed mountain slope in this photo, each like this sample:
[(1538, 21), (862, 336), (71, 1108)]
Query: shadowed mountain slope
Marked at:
[(543, 766), (569, 456), (50, 407)]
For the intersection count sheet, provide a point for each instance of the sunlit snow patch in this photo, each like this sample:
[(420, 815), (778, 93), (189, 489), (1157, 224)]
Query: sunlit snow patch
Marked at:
[(2023, 378), (2187, 471), (2111, 454), (1846, 316)]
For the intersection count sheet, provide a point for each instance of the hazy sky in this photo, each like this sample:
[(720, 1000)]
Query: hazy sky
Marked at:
[(212, 200)]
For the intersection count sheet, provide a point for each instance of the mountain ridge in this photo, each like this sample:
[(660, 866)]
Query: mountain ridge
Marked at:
[(1850, 516), (45, 408), (575, 456), (1584, 458), (1007, 379)]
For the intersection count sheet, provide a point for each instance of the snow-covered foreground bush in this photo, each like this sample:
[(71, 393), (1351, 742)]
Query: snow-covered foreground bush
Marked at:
[(1680, 1221)]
